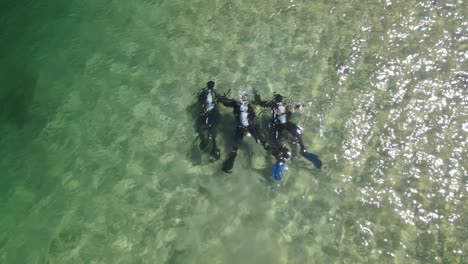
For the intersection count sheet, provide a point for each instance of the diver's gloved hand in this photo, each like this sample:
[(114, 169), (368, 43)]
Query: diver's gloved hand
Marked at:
[(312, 158), (229, 163), (277, 172)]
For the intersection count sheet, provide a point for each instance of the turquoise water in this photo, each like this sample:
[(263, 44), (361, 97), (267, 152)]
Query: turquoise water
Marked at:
[(99, 164)]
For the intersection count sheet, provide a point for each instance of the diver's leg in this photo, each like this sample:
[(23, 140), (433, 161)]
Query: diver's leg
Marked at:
[(275, 133), (257, 135), (238, 138), (296, 132), (212, 124), (202, 130), (279, 134)]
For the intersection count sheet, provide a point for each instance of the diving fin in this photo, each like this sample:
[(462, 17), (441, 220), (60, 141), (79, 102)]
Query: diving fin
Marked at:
[(277, 172), (312, 158)]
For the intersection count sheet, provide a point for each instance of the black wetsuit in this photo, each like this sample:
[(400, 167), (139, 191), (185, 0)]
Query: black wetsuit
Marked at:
[(245, 122), (208, 120), (281, 116)]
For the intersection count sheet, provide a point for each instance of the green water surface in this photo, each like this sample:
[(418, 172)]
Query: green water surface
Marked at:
[(98, 162)]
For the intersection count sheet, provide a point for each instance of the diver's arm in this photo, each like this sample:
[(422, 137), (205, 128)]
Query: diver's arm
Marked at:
[(251, 114), (227, 101), (258, 101), (294, 105), (288, 115), (201, 95)]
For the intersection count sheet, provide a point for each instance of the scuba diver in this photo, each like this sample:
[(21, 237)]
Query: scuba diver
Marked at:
[(208, 120), (245, 123), (281, 116)]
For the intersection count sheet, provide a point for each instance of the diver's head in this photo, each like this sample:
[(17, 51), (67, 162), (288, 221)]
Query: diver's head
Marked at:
[(210, 84), (278, 98), (243, 98)]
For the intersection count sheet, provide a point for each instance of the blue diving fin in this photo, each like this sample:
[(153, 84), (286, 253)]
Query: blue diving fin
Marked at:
[(277, 172)]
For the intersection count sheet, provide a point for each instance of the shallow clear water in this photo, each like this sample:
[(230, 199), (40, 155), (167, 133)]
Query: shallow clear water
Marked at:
[(99, 165)]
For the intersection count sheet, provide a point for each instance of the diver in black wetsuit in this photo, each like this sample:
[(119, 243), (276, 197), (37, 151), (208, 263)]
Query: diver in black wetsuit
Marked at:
[(280, 121), (245, 123), (208, 120)]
